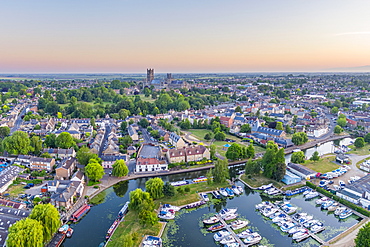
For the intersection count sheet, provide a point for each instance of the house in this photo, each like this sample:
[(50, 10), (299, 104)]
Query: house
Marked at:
[(187, 154), (108, 160), (301, 171), (60, 153), (358, 192), (227, 121), (74, 133), (78, 176), (131, 150), (37, 163), (341, 158), (133, 133), (66, 168), (150, 165), (290, 178), (176, 141), (63, 192), (23, 160)]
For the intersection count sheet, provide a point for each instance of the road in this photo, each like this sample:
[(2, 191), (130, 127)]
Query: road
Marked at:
[(105, 139), (18, 122), (147, 137)]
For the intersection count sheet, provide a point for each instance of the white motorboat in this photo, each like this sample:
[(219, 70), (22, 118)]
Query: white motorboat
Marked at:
[(212, 220), (345, 214), (241, 190), (269, 211), (311, 195), (232, 245), (319, 227), (304, 219), (230, 217), (321, 200), (264, 187), (253, 238), (167, 207), (205, 197), (295, 229), (221, 235), (228, 240), (298, 216), (223, 192), (333, 207), (238, 224), (245, 233), (235, 190), (279, 218), (287, 226), (227, 211), (165, 215), (301, 233), (263, 205), (310, 223), (339, 210), (288, 208)]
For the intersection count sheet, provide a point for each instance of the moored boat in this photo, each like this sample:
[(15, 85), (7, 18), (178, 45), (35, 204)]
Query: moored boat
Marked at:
[(221, 235), (245, 233), (253, 238), (80, 212), (63, 228), (210, 221), (216, 194), (227, 211), (167, 207), (238, 224), (287, 226), (111, 229), (339, 210), (345, 214), (229, 192), (123, 210), (228, 240), (166, 215), (216, 227), (241, 190), (69, 232), (230, 217), (152, 241), (321, 200), (316, 228), (235, 190), (333, 207), (327, 204), (311, 195), (264, 187), (223, 192)]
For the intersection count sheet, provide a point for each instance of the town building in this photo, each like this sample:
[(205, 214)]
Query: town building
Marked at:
[(37, 163), (66, 168), (176, 140), (63, 192), (7, 176), (187, 154), (358, 192), (301, 171)]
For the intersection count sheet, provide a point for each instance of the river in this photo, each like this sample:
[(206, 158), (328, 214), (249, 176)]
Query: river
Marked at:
[(91, 230)]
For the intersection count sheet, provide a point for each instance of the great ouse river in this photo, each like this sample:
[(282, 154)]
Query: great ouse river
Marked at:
[(186, 229)]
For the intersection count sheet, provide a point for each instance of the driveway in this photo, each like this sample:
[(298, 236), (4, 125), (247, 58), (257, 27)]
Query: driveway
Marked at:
[(34, 190)]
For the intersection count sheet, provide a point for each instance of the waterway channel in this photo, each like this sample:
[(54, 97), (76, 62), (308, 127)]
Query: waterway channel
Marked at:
[(91, 230)]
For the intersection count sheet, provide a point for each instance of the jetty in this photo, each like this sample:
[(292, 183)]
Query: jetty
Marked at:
[(238, 240)]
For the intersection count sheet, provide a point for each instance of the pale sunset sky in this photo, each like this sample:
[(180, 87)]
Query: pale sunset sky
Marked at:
[(125, 36)]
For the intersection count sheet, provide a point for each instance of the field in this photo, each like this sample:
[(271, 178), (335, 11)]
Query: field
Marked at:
[(258, 180), (200, 133), (360, 151), (14, 190), (142, 97), (132, 226), (189, 197), (324, 165)]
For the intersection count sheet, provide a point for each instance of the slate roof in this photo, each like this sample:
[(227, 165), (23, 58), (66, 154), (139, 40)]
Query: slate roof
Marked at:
[(301, 169), (361, 186), (268, 131)]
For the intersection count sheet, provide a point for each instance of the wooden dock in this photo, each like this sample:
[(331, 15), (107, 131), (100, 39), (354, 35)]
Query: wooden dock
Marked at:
[(238, 240)]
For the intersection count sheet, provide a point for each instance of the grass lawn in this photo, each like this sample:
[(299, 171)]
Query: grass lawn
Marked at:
[(131, 225), (258, 149), (259, 180), (189, 197), (14, 190), (324, 165), (142, 97), (89, 103), (199, 133), (360, 151)]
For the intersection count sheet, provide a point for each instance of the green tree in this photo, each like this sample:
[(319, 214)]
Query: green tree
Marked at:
[(209, 176), (64, 140), (245, 128), (234, 152), (140, 200), (50, 141), (238, 109), (253, 166), (45, 155), (84, 154), (126, 141), (250, 151), (155, 187), (297, 157), (212, 151), (147, 217), (25, 233), (279, 126), (17, 143), (315, 156), (168, 189), (49, 218), (363, 236), (144, 123), (123, 126), (220, 136), (4, 131), (359, 142), (268, 161), (338, 129), (208, 136), (299, 138), (367, 138), (288, 130), (280, 170), (334, 110), (342, 122), (120, 168), (221, 171), (94, 170), (36, 144)]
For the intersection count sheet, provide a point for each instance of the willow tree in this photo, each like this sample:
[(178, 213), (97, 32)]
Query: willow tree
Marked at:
[(154, 187), (25, 233), (120, 168), (49, 218), (221, 171)]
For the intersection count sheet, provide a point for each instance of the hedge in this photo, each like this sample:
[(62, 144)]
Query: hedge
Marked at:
[(338, 199)]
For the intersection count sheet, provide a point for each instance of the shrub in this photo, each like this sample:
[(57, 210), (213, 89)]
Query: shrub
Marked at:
[(187, 189)]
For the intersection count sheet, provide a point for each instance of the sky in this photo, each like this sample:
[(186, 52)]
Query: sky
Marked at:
[(129, 36)]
